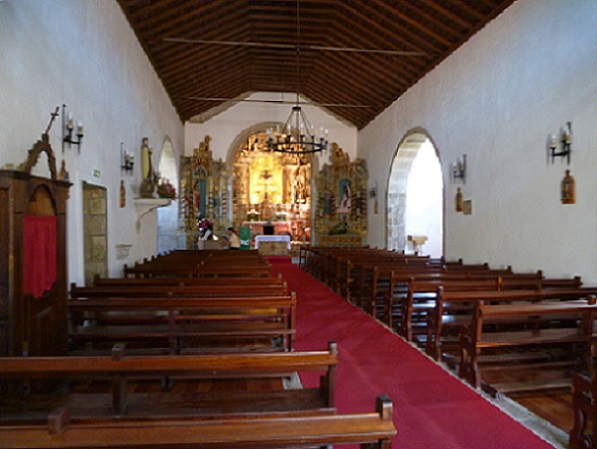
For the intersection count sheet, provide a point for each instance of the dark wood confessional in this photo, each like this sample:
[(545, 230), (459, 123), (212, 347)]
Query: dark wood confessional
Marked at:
[(33, 278)]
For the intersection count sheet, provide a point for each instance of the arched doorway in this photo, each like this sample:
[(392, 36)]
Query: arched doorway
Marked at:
[(415, 198), (167, 221)]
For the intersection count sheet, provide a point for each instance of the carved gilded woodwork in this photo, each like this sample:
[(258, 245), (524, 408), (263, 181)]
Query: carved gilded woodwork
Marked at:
[(204, 192), (341, 208), (269, 186)]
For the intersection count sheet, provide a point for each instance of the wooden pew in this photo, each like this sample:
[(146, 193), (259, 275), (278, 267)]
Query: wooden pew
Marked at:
[(186, 281), (380, 282), (151, 290), (370, 430), (202, 264), (584, 404), (521, 326), (453, 309), (266, 323), (200, 271), (422, 291), (121, 369)]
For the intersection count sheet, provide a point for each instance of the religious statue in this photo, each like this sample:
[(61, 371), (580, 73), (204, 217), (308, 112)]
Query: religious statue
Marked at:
[(122, 194), (148, 183), (568, 189), (346, 199), (459, 200), (63, 174)]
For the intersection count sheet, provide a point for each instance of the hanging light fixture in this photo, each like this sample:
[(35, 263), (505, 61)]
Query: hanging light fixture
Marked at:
[(298, 135)]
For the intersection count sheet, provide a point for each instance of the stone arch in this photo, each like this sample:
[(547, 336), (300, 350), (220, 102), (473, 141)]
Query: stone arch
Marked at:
[(167, 217), (397, 188)]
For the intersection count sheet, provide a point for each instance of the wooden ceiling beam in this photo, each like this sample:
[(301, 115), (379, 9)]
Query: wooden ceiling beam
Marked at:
[(445, 12), (394, 16), (378, 37), (384, 66), (211, 76)]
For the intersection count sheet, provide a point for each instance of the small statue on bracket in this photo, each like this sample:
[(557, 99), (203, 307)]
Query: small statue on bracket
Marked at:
[(149, 182)]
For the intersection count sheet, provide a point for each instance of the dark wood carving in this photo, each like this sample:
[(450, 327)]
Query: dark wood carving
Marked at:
[(31, 325)]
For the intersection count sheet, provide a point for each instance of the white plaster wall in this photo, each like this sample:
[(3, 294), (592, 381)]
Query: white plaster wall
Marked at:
[(497, 99), (83, 53), (225, 127)]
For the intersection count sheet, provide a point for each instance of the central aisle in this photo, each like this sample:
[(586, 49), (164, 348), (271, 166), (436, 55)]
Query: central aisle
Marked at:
[(432, 408)]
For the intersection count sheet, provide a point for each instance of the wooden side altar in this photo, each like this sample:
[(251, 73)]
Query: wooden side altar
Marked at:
[(341, 213)]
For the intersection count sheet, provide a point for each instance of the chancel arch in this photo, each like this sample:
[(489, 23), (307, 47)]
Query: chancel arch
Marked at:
[(415, 197)]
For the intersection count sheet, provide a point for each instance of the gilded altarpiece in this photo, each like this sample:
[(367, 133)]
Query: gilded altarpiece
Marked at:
[(271, 187), (341, 211), (204, 192)]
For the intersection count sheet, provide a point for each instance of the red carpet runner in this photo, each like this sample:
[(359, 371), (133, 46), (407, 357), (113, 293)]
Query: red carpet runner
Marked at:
[(432, 409)]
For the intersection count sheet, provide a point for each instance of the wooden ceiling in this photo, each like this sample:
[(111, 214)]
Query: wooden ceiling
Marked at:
[(356, 56)]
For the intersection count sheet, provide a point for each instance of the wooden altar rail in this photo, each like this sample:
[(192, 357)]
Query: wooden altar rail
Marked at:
[(125, 402), (544, 325), (370, 430), (265, 322)]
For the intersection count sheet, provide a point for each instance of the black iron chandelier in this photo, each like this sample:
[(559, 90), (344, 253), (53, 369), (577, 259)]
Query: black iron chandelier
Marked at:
[(298, 135)]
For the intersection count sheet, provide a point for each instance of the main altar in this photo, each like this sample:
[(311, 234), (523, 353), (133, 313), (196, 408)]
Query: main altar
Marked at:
[(262, 192), (266, 192)]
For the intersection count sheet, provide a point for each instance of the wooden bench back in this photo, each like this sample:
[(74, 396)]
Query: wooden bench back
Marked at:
[(367, 429)]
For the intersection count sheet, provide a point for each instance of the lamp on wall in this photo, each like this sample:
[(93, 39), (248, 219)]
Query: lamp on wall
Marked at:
[(459, 169), (565, 141), (373, 191), (127, 159), (298, 135), (68, 129), (373, 195)]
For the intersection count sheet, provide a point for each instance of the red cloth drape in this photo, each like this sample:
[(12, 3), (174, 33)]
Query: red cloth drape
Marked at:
[(40, 237)]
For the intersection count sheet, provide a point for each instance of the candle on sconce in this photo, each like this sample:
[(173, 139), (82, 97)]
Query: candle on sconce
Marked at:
[(568, 134), (79, 128), (69, 121), (553, 141)]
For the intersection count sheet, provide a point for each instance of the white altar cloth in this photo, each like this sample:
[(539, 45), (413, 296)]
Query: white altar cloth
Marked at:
[(272, 238)]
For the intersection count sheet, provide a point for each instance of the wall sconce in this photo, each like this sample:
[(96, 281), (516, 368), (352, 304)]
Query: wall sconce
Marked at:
[(373, 191), (373, 195), (459, 169), (68, 128), (127, 159), (565, 140)]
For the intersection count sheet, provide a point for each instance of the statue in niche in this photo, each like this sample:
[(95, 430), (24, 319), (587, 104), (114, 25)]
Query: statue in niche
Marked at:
[(346, 197)]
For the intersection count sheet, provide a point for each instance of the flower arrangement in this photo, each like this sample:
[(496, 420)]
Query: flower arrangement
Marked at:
[(166, 189)]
